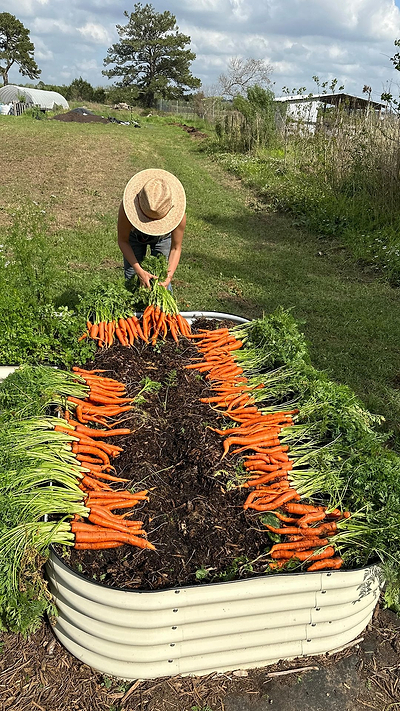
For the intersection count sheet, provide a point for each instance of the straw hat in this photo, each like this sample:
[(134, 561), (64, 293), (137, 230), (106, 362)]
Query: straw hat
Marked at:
[(154, 201)]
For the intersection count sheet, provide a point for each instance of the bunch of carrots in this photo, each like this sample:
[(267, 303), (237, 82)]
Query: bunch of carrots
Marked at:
[(308, 536), (125, 329), (103, 528), (268, 464), (105, 398), (154, 323)]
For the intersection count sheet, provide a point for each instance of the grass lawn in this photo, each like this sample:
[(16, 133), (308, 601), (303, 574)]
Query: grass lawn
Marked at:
[(236, 257)]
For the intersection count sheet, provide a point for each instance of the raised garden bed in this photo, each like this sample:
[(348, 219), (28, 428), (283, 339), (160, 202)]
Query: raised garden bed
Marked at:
[(211, 594), (183, 608)]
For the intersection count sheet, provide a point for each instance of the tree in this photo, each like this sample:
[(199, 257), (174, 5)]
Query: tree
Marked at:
[(16, 48), (151, 54), (242, 74), (396, 58), (81, 90)]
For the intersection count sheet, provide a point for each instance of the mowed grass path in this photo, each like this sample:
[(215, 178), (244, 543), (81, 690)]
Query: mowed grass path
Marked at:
[(235, 259)]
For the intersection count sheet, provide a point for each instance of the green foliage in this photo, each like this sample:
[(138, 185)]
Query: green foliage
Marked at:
[(338, 182), (30, 390), (279, 337), (34, 329), (237, 568), (151, 54), (203, 573), (16, 48), (106, 301), (148, 386), (31, 260), (252, 125), (47, 335), (78, 90), (125, 94), (81, 89)]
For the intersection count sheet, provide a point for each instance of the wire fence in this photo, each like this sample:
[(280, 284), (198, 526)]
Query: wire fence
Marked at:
[(210, 109)]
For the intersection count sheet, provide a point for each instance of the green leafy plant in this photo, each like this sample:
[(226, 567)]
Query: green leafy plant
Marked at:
[(148, 386), (170, 382)]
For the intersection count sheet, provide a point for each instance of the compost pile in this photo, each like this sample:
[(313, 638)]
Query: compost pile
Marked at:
[(197, 526), (79, 117)]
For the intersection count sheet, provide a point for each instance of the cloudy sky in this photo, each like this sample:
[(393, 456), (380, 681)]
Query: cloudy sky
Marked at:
[(351, 40)]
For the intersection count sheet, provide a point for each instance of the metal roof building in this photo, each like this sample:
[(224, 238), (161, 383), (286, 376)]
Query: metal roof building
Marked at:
[(35, 97), (349, 101), (306, 108)]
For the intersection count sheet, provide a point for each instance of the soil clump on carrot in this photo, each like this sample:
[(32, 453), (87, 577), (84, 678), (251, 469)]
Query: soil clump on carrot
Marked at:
[(198, 525)]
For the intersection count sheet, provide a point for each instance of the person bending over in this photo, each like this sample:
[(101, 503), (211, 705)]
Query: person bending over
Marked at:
[(152, 213)]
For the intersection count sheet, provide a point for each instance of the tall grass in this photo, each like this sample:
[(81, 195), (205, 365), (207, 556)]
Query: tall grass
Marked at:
[(341, 180)]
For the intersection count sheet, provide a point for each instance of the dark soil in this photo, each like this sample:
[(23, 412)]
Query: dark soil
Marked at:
[(38, 673), (194, 132), (196, 524), (80, 118)]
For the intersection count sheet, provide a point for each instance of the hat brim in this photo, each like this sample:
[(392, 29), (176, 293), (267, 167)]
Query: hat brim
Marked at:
[(138, 219)]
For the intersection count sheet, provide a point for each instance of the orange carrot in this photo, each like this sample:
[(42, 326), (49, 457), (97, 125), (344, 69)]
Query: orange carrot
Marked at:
[(88, 460), (305, 555), (331, 563), (98, 535), (291, 546), (135, 321), (288, 495), (305, 520), (303, 508), (101, 333), (92, 432), (86, 449), (103, 545), (100, 520), (183, 325)]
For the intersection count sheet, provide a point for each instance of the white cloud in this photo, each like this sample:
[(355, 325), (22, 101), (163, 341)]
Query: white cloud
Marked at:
[(22, 8), (50, 26), (240, 9), (351, 40), (42, 52), (96, 33)]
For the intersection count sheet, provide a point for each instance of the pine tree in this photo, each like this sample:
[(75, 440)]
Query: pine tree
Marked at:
[(151, 55)]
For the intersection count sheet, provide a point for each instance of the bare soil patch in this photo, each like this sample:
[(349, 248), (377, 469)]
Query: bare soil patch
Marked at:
[(73, 116), (194, 132), (77, 175)]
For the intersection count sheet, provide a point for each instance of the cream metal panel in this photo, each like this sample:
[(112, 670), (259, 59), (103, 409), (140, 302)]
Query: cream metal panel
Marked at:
[(133, 634), (213, 627)]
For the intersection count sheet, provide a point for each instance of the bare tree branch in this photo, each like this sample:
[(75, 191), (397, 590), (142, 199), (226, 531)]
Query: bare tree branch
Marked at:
[(243, 73)]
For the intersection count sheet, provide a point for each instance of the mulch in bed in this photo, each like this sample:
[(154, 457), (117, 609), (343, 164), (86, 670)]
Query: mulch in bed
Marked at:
[(196, 524)]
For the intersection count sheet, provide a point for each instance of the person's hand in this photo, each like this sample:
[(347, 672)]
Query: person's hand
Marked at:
[(145, 277), (165, 283)]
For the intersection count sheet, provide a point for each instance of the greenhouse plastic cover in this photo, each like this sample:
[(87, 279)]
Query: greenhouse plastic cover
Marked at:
[(37, 97)]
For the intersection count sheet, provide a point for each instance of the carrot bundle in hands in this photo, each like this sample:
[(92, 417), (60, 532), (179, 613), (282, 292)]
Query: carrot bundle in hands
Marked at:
[(156, 322)]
